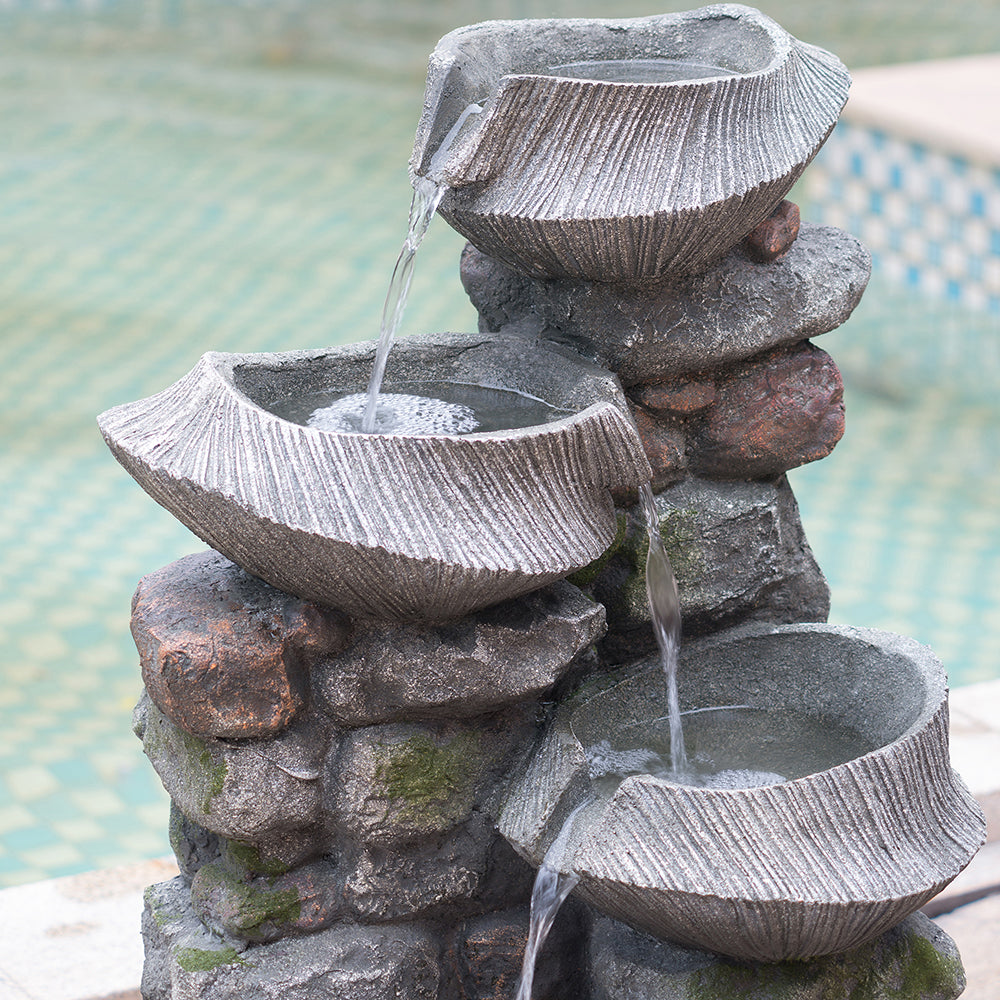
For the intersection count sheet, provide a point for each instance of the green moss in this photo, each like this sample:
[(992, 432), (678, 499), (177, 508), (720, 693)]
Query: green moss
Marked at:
[(246, 858), (729, 981), (248, 906), (161, 915), (586, 576), (925, 971), (280, 907), (204, 960), (426, 777), (900, 966), (205, 768)]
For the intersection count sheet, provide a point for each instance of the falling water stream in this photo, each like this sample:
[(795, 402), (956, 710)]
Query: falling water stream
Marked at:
[(665, 610), (552, 884), (427, 194)]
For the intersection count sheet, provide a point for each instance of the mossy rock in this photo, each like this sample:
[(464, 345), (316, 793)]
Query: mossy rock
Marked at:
[(915, 960)]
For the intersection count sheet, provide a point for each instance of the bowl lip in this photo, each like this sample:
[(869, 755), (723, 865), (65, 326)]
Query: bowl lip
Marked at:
[(223, 365), (453, 43), (781, 40), (930, 668), (461, 44)]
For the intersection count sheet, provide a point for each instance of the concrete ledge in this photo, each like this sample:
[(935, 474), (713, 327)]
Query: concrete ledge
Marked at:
[(950, 104), (76, 938)]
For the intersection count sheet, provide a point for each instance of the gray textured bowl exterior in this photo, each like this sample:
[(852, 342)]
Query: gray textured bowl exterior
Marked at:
[(623, 182), (809, 867), (398, 527)]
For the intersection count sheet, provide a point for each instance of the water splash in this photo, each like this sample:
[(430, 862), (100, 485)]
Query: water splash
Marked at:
[(665, 609), (427, 194)]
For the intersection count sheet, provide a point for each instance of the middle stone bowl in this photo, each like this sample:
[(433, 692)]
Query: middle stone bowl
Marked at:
[(407, 527)]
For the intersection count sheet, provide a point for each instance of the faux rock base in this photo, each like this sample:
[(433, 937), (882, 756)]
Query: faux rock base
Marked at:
[(472, 959), (736, 309), (708, 528), (915, 960), (479, 960)]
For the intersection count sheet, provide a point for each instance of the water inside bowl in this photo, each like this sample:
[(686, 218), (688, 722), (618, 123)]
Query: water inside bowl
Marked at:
[(431, 408), (729, 747), (639, 70)]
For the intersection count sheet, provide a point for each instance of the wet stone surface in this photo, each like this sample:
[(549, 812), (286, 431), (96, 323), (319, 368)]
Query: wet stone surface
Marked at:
[(225, 654), (734, 310), (707, 528)]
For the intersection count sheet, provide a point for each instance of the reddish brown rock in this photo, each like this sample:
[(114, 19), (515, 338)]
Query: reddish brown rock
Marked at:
[(773, 238), (664, 446), (225, 654), (773, 413), (679, 396)]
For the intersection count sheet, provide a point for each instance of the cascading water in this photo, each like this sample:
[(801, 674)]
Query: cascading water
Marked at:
[(553, 885), (551, 889), (427, 194), (665, 610)]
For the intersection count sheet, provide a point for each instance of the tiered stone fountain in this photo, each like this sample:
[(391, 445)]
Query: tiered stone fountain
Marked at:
[(377, 696)]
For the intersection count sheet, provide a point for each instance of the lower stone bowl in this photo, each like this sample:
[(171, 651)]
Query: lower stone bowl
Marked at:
[(407, 527), (808, 867)]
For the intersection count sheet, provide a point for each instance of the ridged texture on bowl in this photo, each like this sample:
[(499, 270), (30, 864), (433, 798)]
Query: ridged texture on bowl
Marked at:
[(404, 528), (624, 182), (809, 867)]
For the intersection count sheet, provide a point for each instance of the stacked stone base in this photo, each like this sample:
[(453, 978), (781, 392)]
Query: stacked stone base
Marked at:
[(587, 957)]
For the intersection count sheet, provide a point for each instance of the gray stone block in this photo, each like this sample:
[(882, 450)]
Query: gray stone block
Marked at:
[(440, 878), (736, 309), (398, 783), (245, 790), (184, 961), (507, 653)]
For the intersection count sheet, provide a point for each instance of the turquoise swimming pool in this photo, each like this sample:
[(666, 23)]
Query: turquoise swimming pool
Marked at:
[(232, 176)]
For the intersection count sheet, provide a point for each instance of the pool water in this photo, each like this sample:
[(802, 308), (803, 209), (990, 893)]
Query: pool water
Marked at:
[(179, 178)]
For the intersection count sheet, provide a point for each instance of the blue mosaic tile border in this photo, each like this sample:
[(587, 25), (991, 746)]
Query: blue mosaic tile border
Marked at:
[(931, 220)]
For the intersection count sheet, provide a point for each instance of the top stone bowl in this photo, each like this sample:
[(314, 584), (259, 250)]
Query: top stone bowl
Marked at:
[(629, 151), (404, 527)]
